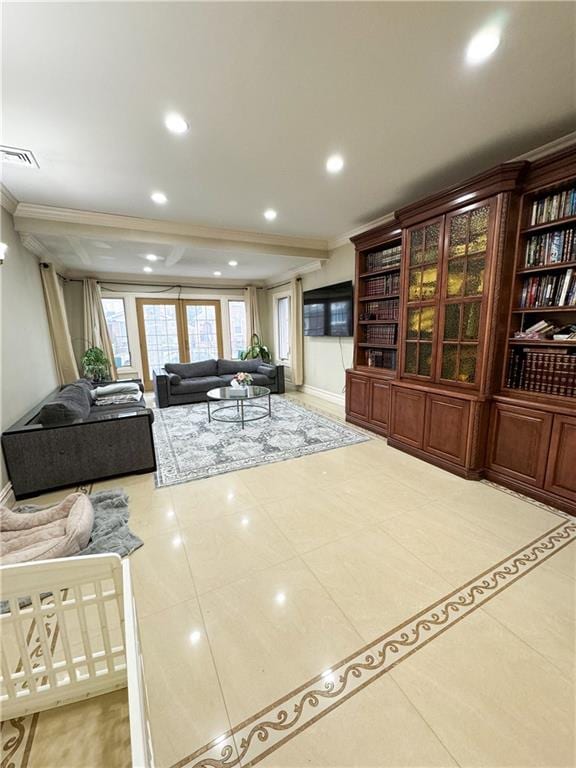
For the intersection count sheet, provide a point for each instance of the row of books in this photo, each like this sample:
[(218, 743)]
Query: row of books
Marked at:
[(552, 207), (553, 290), (381, 358), (550, 248), (544, 329), (382, 334), (382, 259), (381, 310), (375, 286), (548, 371)]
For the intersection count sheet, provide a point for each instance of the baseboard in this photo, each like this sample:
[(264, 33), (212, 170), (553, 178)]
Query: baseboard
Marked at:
[(7, 498), (323, 394)]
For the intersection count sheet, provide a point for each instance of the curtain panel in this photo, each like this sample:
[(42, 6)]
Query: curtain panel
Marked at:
[(297, 340), (95, 328), (66, 367), (253, 324)]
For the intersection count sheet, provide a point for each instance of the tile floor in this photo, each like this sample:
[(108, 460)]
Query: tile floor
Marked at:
[(253, 583)]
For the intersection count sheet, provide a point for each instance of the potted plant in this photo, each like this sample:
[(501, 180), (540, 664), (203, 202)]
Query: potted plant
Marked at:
[(95, 364), (256, 349)]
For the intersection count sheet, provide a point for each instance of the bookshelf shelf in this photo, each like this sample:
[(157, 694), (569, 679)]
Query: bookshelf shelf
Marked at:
[(546, 267), (543, 310), (376, 345), (548, 225), (541, 343), (379, 297), (378, 322), (382, 271)]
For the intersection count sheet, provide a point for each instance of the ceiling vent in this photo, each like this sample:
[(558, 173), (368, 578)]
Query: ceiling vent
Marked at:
[(21, 157)]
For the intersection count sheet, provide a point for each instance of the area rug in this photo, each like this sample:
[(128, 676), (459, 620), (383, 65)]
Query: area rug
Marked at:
[(190, 448)]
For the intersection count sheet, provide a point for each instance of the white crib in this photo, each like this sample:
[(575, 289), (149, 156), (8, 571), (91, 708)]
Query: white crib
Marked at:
[(69, 631)]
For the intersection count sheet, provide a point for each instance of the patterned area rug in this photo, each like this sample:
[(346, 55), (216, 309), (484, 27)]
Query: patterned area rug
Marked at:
[(189, 448)]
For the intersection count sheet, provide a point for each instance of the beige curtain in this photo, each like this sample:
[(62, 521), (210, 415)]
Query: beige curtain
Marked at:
[(95, 327), (297, 340), (253, 324), (66, 367)]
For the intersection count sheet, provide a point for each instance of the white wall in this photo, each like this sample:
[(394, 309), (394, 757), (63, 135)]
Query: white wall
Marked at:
[(325, 358), (28, 373)]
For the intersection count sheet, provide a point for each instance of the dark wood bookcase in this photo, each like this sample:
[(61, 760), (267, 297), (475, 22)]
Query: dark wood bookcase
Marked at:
[(448, 392), (378, 275), (532, 437)]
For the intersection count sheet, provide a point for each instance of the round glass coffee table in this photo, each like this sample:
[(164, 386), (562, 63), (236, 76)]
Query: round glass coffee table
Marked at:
[(243, 408)]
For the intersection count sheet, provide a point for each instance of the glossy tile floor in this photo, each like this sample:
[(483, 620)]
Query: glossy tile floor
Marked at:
[(277, 603)]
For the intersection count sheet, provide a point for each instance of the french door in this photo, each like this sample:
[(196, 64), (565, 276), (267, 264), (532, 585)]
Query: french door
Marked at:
[(177, 331)]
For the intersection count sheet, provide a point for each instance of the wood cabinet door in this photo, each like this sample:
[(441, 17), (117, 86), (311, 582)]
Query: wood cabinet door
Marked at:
[(407, 416), (518, 443), (358, 396), (561, 472), (446, 431), (380, 404)]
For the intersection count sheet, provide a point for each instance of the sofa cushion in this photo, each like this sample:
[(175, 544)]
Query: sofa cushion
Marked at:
[(238, 366), (192, 370), (72, 403), (199, 384), (267, 370)]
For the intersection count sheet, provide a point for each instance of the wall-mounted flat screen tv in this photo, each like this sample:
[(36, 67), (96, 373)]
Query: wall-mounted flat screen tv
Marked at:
[(328, 311)]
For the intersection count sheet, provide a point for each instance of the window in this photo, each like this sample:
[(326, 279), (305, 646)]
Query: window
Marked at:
[(203, 330), (115, 315), (237, 315), (283, 327)]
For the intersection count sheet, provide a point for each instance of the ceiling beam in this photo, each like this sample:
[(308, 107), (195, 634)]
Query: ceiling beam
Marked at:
[(47, 220)]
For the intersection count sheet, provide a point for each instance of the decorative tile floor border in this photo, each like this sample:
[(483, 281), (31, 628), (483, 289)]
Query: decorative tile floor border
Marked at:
[(255, 738)]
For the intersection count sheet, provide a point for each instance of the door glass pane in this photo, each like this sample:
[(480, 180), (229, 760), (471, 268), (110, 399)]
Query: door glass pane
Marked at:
[(429, 282), (458, 235), (452, 322), (237, 314), (202, 331), (449, 361), (414, 280), (413, 329), (425, 359), (475, 277), (467, 370), (410, 365), (471, 321), (431, 244), (161, 332), (455, 277), (427, 316), (116, 321), (416, 246)]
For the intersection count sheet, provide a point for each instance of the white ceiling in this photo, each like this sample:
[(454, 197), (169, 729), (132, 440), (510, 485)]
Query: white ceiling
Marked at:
[(270, 90), (110, 256)]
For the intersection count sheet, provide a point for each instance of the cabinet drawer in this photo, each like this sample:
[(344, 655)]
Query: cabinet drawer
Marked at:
[(561, 471), (407, 416), (446, 431), (380, 404), (518, 443), (357, 396)]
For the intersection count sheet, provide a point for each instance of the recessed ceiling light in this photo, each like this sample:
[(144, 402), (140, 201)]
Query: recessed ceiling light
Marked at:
[(176, 123), (147, 269), (151, 257), (217, 274), (159, 198), (270, 214), (232, 263), (483, 45), (335, 163)]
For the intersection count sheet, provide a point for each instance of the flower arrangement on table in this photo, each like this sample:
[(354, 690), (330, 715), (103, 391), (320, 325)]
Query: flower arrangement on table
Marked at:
[(242, 380)]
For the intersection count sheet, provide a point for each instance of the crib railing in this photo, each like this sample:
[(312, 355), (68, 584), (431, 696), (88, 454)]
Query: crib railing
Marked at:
[(68, 631)]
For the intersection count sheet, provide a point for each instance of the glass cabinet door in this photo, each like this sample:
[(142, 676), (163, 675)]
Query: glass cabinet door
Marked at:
[(467, 235), (422, 294)]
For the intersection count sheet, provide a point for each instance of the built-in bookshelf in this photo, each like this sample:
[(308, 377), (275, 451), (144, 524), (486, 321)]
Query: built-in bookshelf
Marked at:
[(378, 294), (541, 355)]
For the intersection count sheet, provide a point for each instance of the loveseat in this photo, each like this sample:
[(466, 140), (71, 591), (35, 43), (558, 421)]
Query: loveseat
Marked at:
[(180, 383), (67, 440)]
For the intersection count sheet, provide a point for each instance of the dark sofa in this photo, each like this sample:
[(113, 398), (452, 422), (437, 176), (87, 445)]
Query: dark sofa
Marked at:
[(180, 383), (66, 440)]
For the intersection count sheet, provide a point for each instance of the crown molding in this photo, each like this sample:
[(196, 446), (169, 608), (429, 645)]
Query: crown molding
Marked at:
[(564, 142), (38, 248), (344, 239), (285, 277), (7, 200), (31, 217)]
